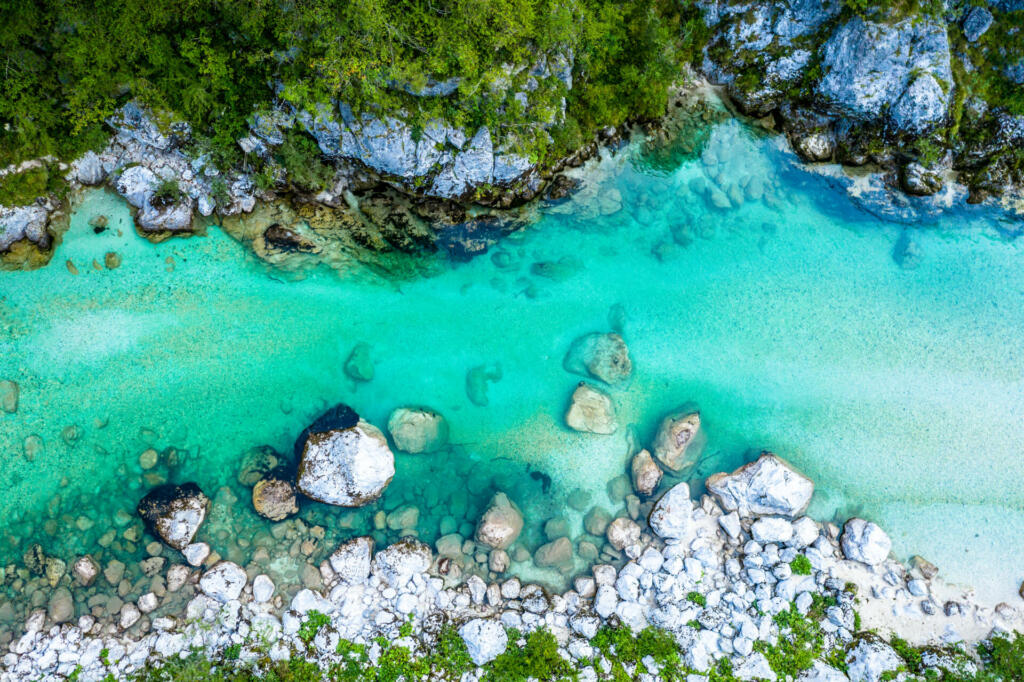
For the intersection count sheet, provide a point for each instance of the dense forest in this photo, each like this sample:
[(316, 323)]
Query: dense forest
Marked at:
[(68, 64)]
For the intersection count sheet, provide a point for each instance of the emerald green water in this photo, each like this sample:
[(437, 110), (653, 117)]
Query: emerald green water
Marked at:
[(786, 320)]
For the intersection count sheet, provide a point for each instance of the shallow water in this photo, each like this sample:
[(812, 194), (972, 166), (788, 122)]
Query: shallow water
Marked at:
[(787, 320)]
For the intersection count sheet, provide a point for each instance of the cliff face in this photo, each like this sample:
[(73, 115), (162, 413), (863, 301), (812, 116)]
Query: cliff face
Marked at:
[(914, 93)]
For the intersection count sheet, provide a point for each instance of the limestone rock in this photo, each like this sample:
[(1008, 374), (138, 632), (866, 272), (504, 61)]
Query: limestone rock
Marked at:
[(174, 513), (917, 180), (820, 672), (500, 525), (223, 582), (274, 498), (262, 589), (90, 170), (602, 356), (351, 561), (24, 223), (679, 441), (870, 659), (976, 23), (768, 486), (865, 541), (591, 411), (672, 516), (554, 554), (257, 463), (343, 461), (415, 430), (622, 533), (645, 472), (485, 639)]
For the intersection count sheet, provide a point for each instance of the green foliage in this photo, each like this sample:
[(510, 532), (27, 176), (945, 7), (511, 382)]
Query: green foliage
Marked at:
[(315, 621), (803, 641), (166, 192), (801, 565), (623, 649), (300, 157), (1003, 657), (911, 655), (22, 188), (697, 598), (67, 66), (232, 652), (536, 659)]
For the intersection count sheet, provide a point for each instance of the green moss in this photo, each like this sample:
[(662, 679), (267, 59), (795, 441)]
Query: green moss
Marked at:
[(24, 188), (801, 565), (536, 659), (624, 649), (697, 598)]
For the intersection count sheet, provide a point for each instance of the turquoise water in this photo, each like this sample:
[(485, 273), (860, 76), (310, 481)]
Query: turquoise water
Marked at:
[(786, 319)]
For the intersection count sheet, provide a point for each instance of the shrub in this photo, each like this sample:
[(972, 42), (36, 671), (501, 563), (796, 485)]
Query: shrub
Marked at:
[(315, 621), (697, 598), (801, 565)]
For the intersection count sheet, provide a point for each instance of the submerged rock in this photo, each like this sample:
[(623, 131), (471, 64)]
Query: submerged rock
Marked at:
[(359, 365), (274, 498), (768, 486), (174, 513), (257, 463), (477, 380), (85, 569), (591, 411), (9, 392), (679, 441), (415, 430), (555, 554), (500, 525), (623, 532), (672, 516), (645, 472), (343, 460), (602, 356), (865, 542), (398, 563)]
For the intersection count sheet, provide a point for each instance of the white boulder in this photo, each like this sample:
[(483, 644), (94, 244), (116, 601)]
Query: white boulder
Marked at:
[(500, 525), (870, 659), (672, 516), (351, 561), (485, 639), (223, 582), (591, 411), (865, 542), (768, 486), (347, 467)]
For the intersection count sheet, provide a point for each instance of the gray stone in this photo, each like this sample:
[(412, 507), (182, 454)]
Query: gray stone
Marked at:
[(977, 21), (174, 513), (622, 533), (485, 639), (870, 659), (89, 169), (672, 516), (645, 472), (223, 582), (679, 441), (23, 223), (399, 562), (602, 356)]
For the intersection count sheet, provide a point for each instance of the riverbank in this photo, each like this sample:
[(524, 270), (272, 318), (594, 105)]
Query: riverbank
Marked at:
[(740, 576)]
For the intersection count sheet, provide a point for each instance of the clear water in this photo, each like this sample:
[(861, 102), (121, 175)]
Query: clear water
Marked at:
[(786, 320)]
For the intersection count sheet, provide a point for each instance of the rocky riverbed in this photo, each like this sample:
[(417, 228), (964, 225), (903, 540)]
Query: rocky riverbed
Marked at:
[(714, 574)]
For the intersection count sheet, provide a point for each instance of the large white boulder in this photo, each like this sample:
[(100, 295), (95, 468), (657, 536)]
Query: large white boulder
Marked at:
[(768, 486), (870, 660), (399, 562), (672, 516), (500, 525), (223, 582), (865, 542), (485, 639), (344, 460)]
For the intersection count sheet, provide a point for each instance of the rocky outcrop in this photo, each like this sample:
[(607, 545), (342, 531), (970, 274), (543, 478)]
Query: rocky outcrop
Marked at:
[(501, 523), (768, 486), (591, 411), (871, 659), (158, 216), (343, 460), (174, 513), (415, 430)]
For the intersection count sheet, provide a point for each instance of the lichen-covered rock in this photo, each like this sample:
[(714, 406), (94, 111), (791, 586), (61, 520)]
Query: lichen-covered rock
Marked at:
[(645, 472), (976, 23), (343, 460), (602, 356), (174, 513), (672, 516), (274, 498), (679, 441), (223, 582), (133, 122), (501, 523), (485, 640), (865, 541), (415, 430), (154, 218), (768, 486), (591, 411)]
